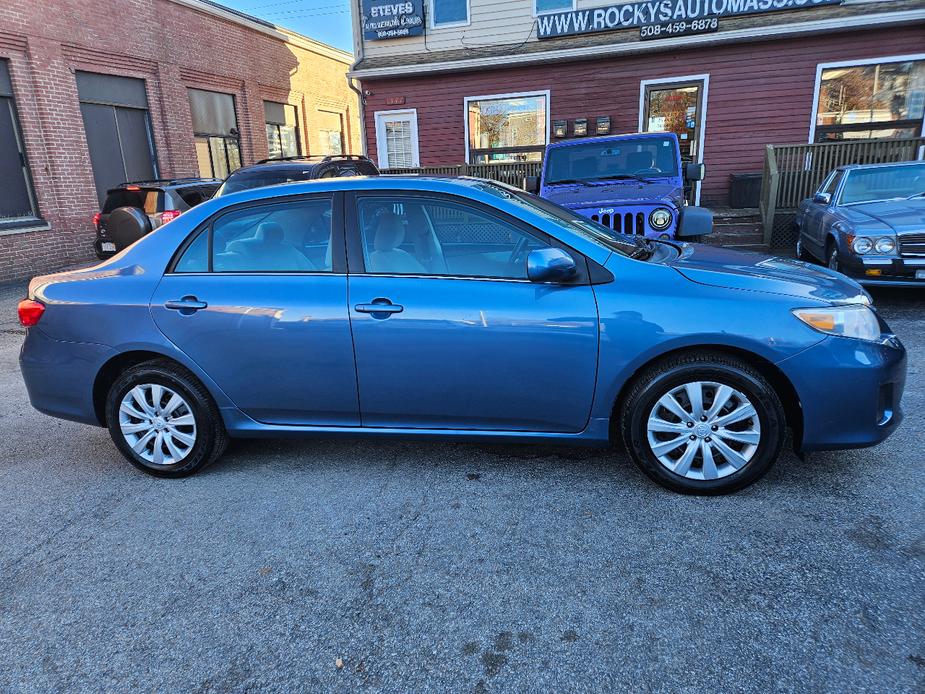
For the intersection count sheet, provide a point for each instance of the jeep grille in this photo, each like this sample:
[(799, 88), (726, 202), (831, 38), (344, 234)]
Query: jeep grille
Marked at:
[(626, 223)]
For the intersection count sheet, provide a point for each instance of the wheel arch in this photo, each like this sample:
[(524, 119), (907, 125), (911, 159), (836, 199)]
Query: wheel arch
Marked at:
[(778, 380), (116, 365)]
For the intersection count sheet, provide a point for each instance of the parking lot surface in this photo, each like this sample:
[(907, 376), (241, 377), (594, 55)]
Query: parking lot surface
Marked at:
[(414, 567)]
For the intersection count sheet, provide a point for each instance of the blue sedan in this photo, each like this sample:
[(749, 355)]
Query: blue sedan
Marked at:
[(456, 309), (869, 223)]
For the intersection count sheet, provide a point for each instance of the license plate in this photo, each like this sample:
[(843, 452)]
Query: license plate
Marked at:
[(920, 274), (108, 247)]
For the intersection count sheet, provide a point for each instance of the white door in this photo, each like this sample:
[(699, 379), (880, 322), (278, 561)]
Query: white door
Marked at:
[(397, 139)]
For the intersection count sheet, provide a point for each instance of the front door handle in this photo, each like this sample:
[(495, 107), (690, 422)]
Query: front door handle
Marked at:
[(382, 306), (188, 304)]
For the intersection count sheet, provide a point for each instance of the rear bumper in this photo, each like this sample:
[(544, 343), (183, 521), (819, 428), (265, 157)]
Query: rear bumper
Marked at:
[(59, 376), (887, 272), (850, 391)]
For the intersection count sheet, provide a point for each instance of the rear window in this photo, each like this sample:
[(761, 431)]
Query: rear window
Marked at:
[(257, 179), (151, 201)]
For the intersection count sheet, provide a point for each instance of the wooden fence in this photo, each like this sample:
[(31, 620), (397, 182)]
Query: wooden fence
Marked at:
[(511, 173), (794, 172)]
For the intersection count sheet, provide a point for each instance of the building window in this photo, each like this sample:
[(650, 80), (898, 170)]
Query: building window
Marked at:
[(547, 6), (330, 132), (17, 202), (873, 100), (397, 139), (215, 133), (118, 129), (282, 130), (446, 13), (507, 127)]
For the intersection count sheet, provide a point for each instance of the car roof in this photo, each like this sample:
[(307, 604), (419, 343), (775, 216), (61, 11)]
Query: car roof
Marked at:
[(161, 183), (853, 167)]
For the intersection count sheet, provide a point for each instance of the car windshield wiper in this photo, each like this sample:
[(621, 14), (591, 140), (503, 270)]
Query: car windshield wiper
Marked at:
[(917, 195), (644, 248), (569, 180)]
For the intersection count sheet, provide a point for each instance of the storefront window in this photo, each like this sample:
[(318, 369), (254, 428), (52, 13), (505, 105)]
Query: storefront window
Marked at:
[(870, 101), (282, 129), (17, 204), (449, 12), (544, 6), (508, 128), (215, 133)]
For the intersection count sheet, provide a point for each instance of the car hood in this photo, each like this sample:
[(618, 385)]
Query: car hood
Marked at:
[(724, 267), (902, 216), (580, 196)]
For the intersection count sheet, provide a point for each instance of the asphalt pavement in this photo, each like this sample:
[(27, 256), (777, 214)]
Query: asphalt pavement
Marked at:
[(417, 567)]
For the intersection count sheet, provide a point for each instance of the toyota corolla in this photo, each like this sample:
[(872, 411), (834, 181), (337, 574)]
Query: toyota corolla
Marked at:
[(456, 309)]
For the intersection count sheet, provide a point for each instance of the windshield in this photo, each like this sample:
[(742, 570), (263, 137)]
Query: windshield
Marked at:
[(257, 179), (582, 226), (646, 157), (883, 183)]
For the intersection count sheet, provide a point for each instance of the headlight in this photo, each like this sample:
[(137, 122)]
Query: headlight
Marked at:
[(885, 245), (862, 245), (855, 321), (660, 218)]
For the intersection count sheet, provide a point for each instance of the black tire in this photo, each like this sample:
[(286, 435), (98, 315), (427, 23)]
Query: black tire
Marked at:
[(211, 439), (719, 368), (801, 252)]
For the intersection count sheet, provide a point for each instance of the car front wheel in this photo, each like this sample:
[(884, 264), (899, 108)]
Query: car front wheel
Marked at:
[(703, 424), (832, 257), (163, 420)]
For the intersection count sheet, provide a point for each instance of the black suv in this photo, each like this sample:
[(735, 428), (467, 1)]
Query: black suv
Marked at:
[(132, 210), (270, 172)]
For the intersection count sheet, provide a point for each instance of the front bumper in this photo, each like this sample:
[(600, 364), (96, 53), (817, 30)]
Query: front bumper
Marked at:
[(882, 271), (850, 391)]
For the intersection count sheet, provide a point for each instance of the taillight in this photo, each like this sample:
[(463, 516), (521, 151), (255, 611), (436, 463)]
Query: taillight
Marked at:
[(30, 312), (169, 215), (96, 220)]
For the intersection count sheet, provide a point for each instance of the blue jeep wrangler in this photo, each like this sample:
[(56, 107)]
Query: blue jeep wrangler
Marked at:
[(633, 184)]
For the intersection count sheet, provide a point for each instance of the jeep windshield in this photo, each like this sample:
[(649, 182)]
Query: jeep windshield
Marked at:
[(631, 158)]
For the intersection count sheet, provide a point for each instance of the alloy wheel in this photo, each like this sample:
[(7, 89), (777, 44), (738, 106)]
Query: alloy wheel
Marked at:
[(157, 423), (703, 430)]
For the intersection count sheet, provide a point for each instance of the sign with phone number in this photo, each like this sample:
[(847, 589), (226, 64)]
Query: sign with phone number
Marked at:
[(686, 28)]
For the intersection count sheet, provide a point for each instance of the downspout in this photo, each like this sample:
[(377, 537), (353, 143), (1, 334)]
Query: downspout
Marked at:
[(358, 51)]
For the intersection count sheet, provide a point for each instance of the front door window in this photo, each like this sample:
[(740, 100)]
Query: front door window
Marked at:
[(677, 108)]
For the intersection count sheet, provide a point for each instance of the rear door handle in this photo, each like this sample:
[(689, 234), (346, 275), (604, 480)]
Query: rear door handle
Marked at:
[(186, 304), (379, 306)]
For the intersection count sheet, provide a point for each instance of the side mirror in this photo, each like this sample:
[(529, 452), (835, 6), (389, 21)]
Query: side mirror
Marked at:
[(695, 171), (822, 198), (532, 184), (694, 222), (550, 265)]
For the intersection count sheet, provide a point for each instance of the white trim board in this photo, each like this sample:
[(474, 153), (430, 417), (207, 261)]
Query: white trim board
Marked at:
[(486, 97), (382, 152), (592, 52), (681, 81), (852, 63)]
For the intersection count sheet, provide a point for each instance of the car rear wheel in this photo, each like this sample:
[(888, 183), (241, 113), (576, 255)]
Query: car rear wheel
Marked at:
[(703, 423), (163, 420)]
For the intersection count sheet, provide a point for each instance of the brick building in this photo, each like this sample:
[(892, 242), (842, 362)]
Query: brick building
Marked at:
[(93, 93), (484, 81)]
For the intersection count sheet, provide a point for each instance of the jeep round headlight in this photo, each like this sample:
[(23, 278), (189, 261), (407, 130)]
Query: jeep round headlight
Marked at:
[(862, 245), (660, 218), (885, 245)]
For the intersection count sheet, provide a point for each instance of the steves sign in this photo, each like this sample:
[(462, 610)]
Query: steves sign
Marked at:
[(635, 14), (392, 19)]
